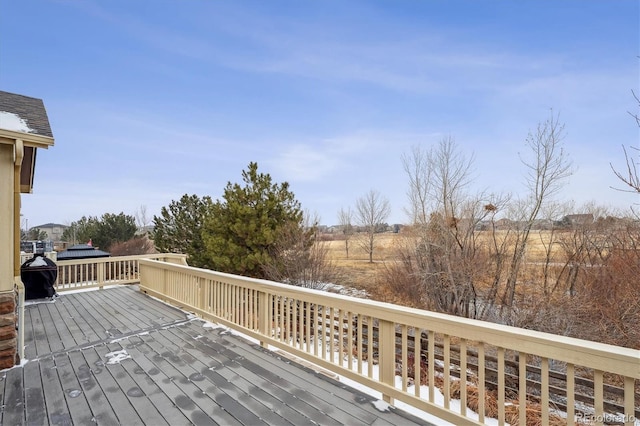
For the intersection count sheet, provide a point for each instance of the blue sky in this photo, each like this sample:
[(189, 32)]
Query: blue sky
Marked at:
[(150, 100)]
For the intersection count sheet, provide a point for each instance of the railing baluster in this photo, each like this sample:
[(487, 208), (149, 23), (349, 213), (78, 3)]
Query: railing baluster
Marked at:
[(544, 389), (522, 388), (598, 396), (317, 333), (349, 344), (417, 358), (359, 342), (501, 415), (404, 357), (432, 366), (571, 402), (463, 377), (309, 323), (481, 383), (370, 339), (281, 318), (447, 371), (332, 324), (228, 305), (340, 342)]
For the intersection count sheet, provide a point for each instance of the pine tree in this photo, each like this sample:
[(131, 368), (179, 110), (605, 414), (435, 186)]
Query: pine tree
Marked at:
[(109, 229), (178, 229), (243, 232)]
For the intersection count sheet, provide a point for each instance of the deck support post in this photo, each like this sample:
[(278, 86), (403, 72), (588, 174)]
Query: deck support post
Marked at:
[(387, 355), (263, 316)]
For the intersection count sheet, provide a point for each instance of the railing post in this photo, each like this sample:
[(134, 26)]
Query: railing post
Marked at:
[(101, 273), (263, 316), (164, 284), (387, 355), (203, 299)]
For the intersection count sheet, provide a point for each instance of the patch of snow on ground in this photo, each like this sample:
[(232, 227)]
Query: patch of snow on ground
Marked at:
[(61, 290), (39, 301), (117, 357), (346, 291), (208, 324), (381, 405)]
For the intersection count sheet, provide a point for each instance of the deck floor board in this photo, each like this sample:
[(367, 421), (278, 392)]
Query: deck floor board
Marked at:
[(103, 413), (119, 357), (13, 403), (266, 365), (304, 409), (76, 400), (35, 408)]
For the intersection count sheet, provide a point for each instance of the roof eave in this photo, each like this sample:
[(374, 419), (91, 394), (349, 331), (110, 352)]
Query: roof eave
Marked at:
[(28, 139)]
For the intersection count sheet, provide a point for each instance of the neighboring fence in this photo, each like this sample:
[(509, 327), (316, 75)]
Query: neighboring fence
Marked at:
[(292, 319), (101, 271), (53, 255)]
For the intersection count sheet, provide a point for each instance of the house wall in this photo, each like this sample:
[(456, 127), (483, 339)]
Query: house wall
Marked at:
[(6, 217), (8, 198), (55, 233)]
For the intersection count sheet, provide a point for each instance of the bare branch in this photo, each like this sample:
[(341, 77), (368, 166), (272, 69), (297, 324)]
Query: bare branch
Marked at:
[(631, 179)]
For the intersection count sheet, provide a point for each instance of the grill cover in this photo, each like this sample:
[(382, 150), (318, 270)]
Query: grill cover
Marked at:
[(38, 275)]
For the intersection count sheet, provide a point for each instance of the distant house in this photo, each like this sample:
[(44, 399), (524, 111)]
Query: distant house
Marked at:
[(573, 220), (81, 251), (54, 231), (504, 223)]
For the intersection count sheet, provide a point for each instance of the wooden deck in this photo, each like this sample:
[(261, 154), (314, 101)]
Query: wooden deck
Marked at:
[(117, 356)]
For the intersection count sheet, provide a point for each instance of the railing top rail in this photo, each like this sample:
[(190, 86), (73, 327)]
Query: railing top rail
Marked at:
[(121, 258), (619, 360)]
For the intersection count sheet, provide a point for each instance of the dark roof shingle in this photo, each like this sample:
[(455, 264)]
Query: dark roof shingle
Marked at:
[(31, 110), (81, 251)]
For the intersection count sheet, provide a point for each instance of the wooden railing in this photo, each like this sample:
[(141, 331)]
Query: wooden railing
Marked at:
[(374, 344), (98, 272)]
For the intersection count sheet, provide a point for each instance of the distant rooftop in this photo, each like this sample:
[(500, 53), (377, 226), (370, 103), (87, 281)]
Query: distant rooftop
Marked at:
[(81, 251), (50, 225)]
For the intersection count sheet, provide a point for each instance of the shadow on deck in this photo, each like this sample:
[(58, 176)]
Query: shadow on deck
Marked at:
[(117, 356)]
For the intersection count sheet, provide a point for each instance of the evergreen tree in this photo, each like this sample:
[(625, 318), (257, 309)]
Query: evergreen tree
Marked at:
[(36, 234), (243, 232), (114, 228), (81, 231), (109, 229), (178, 229)]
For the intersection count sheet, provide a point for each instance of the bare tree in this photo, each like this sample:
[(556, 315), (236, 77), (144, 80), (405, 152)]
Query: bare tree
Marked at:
[(418, 169), (301, 257), (345, 220), (549, 240), (447, 260), (372, 210), (547, 167), (142, 219), (630, 177)]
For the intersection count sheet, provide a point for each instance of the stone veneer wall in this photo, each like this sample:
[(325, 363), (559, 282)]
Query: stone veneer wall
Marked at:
[(8, 342)]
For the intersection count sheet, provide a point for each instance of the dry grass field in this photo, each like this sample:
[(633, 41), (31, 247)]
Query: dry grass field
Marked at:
[(356, 270)]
